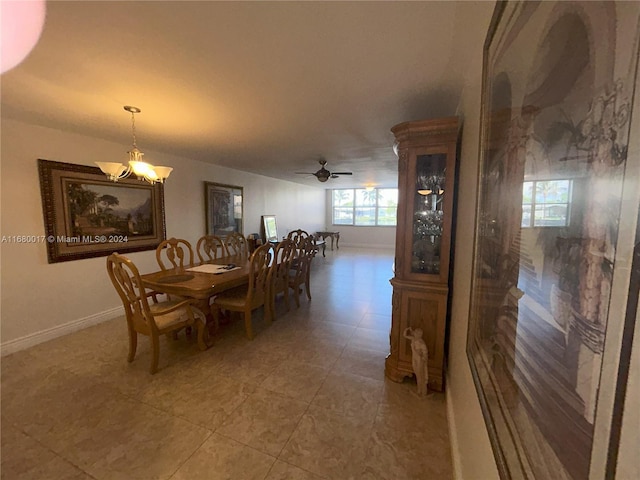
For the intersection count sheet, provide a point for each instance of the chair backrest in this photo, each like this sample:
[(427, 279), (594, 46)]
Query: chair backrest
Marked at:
[(259, 274), (126, 279), (302, 265), (174, 251), (297, 236), (279, 270), (237, 245), (211, 247)]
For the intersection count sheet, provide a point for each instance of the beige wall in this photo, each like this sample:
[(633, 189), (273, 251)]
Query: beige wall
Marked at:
[(42, 300), (471, 450)]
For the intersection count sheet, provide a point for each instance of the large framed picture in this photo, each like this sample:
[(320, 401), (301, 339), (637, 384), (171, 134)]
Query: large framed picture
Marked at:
[(223, 208), (86, 215), (548, 337)]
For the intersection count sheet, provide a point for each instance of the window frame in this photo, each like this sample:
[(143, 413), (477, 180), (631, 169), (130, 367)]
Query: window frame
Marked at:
[(534, 203), (355, 206)]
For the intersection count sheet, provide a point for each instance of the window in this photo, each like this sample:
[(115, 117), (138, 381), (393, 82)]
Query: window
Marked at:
[(362, 207), (545, 203)]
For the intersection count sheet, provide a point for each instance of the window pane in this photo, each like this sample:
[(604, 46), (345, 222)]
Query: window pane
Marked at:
[(552, 191), (387, 216), (388, 197), (551, 215), (365, 216), (527, 192), (343, 216), (342, 198), (365, 198), (526, 216), (374, 207)]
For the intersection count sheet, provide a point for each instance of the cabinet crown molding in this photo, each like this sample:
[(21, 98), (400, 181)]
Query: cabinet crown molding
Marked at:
[(438, 130)]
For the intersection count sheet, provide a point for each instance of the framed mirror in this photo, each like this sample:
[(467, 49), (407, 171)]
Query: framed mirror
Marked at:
[(269, 229), (223, 208)]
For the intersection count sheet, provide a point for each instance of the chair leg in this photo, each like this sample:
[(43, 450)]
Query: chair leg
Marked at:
[(296, 294), (247, 324), (202, 335), (155, 353), (308, 289), (133, 345)]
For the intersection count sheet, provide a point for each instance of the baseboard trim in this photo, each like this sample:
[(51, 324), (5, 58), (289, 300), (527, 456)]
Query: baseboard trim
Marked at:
[(364, 245), (33, 339), (453, 437)]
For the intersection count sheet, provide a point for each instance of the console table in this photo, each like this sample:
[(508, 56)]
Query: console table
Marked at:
[(332, 235)]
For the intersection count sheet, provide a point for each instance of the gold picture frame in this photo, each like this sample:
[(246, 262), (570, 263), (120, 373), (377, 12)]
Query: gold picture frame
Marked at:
[(86, 215)]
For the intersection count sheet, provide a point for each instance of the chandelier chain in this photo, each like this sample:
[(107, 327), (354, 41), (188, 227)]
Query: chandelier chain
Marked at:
[(133, 128)]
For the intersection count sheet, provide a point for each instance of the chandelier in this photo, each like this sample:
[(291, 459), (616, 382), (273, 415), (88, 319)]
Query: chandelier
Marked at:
[(143, 170)]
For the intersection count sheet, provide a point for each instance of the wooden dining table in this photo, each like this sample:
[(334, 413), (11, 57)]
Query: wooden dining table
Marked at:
[(196, 284)]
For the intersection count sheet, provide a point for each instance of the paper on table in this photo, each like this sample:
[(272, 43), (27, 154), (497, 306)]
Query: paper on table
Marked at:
[(210, 268)]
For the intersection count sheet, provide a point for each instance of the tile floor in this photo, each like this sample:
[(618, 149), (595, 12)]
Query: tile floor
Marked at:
[(307, 399)]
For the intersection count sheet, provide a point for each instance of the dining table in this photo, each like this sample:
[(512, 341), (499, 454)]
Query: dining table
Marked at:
[(200, 282)]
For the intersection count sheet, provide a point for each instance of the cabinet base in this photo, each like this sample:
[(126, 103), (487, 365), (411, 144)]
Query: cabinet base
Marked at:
[(396, 372)]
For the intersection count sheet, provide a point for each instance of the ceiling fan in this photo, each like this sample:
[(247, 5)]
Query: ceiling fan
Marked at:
[(323, 174)]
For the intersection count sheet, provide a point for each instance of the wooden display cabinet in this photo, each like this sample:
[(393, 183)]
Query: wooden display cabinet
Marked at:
[(421, 285)]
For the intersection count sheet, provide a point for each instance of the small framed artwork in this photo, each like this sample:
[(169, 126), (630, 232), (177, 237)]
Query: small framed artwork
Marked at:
[(223, 208), (548, 337), (86, 215), (269, 228)]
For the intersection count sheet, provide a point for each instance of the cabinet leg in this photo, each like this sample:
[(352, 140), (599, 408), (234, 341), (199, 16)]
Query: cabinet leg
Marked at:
[(391, 372)]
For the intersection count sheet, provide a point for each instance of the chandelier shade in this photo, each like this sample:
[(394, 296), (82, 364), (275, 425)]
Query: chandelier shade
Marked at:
[(143, 170)]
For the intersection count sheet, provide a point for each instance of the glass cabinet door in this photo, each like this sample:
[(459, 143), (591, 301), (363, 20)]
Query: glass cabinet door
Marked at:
[(428, 202)]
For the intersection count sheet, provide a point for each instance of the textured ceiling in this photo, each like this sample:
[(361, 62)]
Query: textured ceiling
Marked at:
[(266, 87)]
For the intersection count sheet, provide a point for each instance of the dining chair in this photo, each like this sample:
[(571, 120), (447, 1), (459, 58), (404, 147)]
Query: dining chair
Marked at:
[(247, 298), (301, 269), (211, 247), (154, 319), (298, 236), (237, 245), (173, 251), (278, 280)]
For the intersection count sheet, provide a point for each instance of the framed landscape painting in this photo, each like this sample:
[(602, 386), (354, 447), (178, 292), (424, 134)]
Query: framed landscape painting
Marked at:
[(86, 215), (549, 333), (223, 208)]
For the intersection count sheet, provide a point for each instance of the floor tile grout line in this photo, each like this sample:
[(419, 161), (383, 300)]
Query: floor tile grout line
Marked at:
[(15, 426), (191, 456)]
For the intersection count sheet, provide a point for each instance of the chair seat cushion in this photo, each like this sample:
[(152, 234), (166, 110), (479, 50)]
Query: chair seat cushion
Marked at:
[(235, 297), (171, 318)]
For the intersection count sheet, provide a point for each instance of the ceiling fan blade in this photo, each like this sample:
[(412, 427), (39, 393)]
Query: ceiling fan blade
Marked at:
[(342, 173), (305, 173)]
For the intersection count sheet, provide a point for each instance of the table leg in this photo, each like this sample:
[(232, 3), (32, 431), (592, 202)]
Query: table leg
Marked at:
[(337, 241)]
